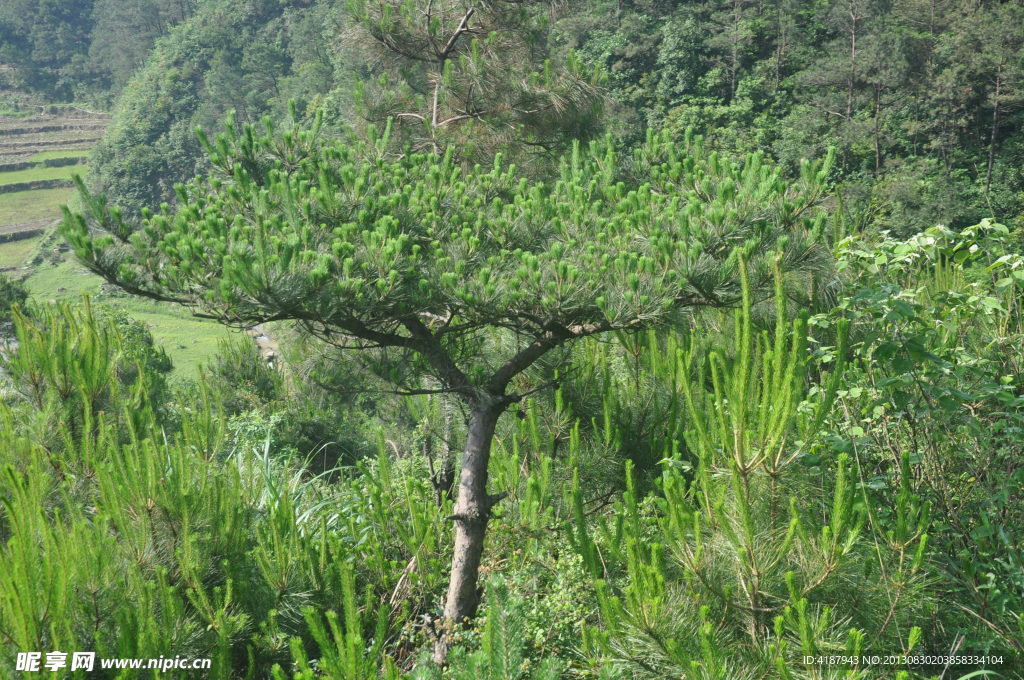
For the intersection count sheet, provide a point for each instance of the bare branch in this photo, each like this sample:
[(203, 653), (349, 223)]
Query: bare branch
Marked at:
[(450, 45), (462, 116)]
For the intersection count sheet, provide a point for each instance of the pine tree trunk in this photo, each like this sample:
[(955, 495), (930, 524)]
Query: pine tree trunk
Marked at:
[(851, 77), (993, 134), (878, 129), (472, 511)]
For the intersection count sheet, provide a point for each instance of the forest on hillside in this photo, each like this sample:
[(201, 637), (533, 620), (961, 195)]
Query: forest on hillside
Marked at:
[(607, 339)]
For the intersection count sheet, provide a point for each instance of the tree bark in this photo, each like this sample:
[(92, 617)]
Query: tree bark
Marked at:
[(472, 511), (851, 77)]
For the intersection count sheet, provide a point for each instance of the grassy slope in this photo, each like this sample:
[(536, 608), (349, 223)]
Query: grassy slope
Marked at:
[(189, 342), (34, 174), (16, 253), (61, 282)]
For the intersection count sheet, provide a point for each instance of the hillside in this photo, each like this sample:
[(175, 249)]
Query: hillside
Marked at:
[(41, 147)]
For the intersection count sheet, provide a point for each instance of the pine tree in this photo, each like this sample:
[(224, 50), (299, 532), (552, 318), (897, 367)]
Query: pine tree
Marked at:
[(477, 77), (465, 277)]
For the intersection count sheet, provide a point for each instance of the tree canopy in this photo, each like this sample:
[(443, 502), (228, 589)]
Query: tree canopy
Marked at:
[(352, 241)]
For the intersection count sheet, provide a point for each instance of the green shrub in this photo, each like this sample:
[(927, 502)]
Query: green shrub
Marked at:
[(75, 363), (246, 381), (12, 292), (501, 655), (745, 560), (936, 387)]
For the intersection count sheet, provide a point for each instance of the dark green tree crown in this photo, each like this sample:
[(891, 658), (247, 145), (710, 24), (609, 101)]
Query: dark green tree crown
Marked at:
[(357, 243)]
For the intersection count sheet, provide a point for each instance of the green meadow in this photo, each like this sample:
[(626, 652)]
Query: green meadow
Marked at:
[(189, 341), (17, 253)]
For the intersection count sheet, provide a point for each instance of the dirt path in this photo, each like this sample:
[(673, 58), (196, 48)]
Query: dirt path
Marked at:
[(270, 351)]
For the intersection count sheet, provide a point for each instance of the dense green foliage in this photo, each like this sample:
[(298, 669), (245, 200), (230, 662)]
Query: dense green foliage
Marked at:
[(87, 49), (758, 407), (231, 56), (347, 241), (922, 100)]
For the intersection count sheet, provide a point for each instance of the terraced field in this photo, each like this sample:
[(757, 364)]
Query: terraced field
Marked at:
[(39, 153), (40, 172)]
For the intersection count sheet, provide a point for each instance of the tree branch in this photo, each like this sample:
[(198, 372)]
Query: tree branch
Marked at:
[(426, 344), (553, 337), (450, 45), (358, 329)]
